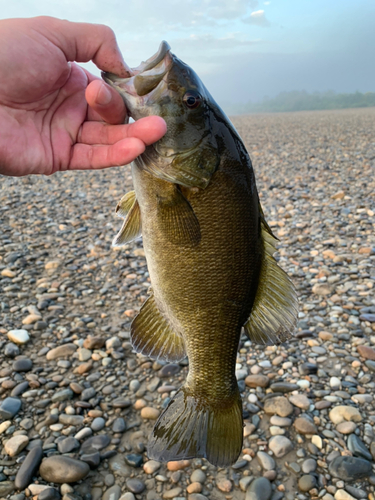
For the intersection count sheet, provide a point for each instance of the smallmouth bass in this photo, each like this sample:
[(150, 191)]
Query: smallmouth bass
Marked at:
[(209, 252)]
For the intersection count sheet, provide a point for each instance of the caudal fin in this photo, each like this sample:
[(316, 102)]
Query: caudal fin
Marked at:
[(190, 428)]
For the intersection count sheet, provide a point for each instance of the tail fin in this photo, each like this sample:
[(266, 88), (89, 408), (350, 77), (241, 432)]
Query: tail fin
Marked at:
[(192, 428)]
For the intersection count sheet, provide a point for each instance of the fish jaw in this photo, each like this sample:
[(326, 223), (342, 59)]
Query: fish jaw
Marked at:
[(146, 85)]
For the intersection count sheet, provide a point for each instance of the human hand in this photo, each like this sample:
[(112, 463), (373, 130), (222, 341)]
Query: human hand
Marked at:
[(46, 123)]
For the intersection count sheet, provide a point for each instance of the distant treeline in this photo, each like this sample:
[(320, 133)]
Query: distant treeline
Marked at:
[(300, 100)]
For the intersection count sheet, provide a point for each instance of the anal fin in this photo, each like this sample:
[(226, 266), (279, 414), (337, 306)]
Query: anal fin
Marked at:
[(152, 335), (128, 208), (273, 317)]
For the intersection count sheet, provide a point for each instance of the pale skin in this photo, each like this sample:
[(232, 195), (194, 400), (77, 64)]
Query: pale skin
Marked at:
[(55, 115)]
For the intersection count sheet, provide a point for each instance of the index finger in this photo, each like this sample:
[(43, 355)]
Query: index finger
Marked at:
[(83, 42)]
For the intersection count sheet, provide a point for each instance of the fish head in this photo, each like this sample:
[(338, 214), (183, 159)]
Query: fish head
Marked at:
[(165, 86)]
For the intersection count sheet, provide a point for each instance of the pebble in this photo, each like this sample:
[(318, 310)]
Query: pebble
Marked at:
[(151, 466), (358, 448), (349, 468), (309, 465), (279, 405), (97, 424), (150, 413), (346, 427), (266, 461), (119, 425), (280, 445), (198, 476), (49, 494), (62, 351), (22, 365), (28, 468), (343, 495), (341, 413), (304, 425), (259, 489), (301, 401), (174, 492), (113, 493), (16, 444), (257, 381), (62, 469), (20, 337), (9, 407), (306, 482), (178, 465)]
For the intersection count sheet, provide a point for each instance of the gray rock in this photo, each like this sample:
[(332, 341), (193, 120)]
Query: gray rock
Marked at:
[(63, 395), (97, 424), (169, 370), (119, 425), (20, 389), (11, 350), (350, 468), (307, 368), (68, 444), (309, 465), (278, 405), (62, 351), (9, 408), (28, 468), (355, 492), (306, 482), (49, 494), (370, 365), (259, 489), (61, 469), (88, 393), (22, 365), (113, 493), (92, 458), (358, 448), (6, 487), (96, 442), (135, 485), (266, 461), (198, 476)]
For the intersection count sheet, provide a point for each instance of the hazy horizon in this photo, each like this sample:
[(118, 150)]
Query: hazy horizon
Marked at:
[(242, 49)]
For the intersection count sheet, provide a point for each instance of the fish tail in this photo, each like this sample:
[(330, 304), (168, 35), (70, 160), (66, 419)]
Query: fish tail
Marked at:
[(192, 427)]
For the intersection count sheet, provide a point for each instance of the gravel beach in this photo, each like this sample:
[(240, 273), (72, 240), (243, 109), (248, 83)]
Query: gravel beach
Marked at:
[(77, 405)]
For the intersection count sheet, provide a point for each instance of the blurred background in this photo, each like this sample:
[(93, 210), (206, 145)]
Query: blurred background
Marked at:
[(276, 55)]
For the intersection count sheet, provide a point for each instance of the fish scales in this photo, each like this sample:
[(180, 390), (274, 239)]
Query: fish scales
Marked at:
[(209, 252)]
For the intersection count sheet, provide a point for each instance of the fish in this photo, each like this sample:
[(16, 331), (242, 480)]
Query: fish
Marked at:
[(209, 253)]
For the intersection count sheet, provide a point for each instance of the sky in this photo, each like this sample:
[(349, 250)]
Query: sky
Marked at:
[(243, 50)]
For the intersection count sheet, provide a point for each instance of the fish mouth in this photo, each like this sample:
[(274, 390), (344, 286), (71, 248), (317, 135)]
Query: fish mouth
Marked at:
[(145, 80)]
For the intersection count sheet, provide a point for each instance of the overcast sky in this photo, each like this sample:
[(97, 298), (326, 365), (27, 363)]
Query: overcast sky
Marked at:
[(242, 49)]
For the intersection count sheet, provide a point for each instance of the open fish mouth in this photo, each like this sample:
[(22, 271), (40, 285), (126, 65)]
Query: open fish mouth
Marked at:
[(145, 79)]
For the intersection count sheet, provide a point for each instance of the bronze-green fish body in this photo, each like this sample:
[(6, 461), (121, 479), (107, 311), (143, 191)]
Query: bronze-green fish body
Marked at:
[(209, 255)]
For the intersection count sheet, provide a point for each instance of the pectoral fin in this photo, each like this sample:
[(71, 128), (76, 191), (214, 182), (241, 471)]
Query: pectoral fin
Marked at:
[(125, 204), (178, 219), (128, 208), (152, 335), (274, 314)]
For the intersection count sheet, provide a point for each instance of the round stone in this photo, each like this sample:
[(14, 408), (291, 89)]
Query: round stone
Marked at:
[(151, 466), (22, 365), (97, 424), (198, 476), (309, 465), (266, 461), (150, 413), (28, 468), (349, 468), (119, 425), (135, 485), (257, 380), (18, 336), (341, 413), (259, 489), (301, 401), (346, 427), (306, 482), (61, 469)]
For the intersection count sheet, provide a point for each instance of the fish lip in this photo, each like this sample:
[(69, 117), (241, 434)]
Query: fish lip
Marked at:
[(154, 67)]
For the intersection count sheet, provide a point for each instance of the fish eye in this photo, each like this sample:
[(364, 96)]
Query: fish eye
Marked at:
[(192, 99)]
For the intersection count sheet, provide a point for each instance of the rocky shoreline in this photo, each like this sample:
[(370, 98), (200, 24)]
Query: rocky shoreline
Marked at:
[(77, 405)]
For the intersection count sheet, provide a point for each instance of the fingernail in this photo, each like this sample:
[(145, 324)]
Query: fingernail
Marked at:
[(104, 95)]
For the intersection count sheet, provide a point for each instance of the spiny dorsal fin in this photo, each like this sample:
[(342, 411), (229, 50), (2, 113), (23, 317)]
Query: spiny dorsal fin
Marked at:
[(273, 317), (125, 204), (152, 335), (128, 208), (179, 221)]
